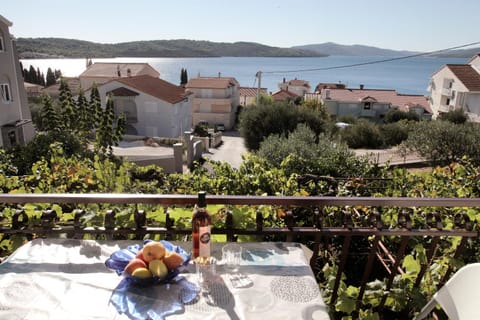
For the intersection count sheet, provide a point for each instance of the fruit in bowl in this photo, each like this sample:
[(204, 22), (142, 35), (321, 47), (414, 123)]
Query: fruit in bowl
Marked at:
[(151, 263)]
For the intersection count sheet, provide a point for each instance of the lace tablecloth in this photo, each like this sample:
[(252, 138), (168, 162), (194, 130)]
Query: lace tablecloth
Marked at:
[(67, 279)]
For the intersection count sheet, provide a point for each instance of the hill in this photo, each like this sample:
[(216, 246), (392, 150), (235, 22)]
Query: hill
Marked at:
[(334, 49), (70, 48)]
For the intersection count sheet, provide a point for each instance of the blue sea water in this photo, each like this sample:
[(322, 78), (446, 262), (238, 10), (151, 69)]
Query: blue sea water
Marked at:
[(408, 76)]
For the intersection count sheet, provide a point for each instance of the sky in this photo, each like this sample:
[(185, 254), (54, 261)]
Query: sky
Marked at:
[(416, 25)]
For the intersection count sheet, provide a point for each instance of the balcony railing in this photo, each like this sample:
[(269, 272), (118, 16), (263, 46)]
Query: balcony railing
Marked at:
[(355, 222)]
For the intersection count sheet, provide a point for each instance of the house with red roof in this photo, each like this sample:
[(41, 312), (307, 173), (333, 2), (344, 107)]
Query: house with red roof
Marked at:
[(248, 95), (296, 86), (371, 103), (284, 95), (102, 72), (457, 86), (153, 107), (215, 100)]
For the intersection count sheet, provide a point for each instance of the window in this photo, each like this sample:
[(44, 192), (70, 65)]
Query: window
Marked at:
[(2, 45), (5, 92), (367, 105)]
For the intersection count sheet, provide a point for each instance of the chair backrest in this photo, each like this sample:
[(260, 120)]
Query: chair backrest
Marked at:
[(460, 296)]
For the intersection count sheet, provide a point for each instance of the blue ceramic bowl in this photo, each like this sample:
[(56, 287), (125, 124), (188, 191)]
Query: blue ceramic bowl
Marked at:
[(119, 260)]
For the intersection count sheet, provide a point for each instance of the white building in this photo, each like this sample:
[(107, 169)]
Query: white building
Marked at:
[(457, 86), (153, 107), (298, 87), (15, 119)]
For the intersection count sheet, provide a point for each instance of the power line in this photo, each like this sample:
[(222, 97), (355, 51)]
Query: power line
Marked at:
[(373, 62)]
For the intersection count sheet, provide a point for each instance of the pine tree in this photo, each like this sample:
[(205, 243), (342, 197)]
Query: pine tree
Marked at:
[(40, 78), (110, 131), (84, 125), (183, 77), (50, 120), (50, 77), (95, 107), (32, 75), (67, 105)]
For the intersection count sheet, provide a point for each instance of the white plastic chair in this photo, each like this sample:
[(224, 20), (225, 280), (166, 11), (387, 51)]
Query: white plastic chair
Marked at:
[(459, 297)]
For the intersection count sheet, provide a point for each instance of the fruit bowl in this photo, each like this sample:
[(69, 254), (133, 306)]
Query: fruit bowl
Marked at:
[(119, 260)]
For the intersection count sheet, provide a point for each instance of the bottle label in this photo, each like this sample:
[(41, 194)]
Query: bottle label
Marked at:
[(204, 236)]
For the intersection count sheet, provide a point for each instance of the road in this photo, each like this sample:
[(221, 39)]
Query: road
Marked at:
[(231, 149)]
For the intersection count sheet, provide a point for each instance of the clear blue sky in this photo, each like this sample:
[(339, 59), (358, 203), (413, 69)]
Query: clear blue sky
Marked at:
[(419, 25)]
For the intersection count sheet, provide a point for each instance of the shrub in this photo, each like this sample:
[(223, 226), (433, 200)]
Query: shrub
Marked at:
[(442, 142), (457, 116), (259, 122), (24, 157), (394, 133), (303, 152), (395, 115), (363, 134)]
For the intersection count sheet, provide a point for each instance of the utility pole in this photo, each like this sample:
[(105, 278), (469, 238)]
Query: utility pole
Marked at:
[(259, 76)]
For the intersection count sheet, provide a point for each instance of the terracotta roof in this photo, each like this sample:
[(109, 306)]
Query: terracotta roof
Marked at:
[(211, 82), (110, 69), (155, 87), (401, 101), (251, 92), (467, 75), (282, 95), (123, 92)]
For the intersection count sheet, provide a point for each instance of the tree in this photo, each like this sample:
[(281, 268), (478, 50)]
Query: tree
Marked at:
[(395, 115), (183, 77), (40, 78), (110, 131), (51, 79), (84, 125), (95, 107), (32, 75), (457, 116), (442, 142), (68, 115), (305, 153), (258, 122), (50, 119)]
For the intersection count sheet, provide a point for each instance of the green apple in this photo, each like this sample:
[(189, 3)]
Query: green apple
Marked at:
[(158, 268)]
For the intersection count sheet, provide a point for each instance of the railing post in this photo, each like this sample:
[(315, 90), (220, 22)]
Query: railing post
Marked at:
[(77, 225), (169, 222), (19, 219), (290, 223), (259, 223), (229, 226), (109, 223), (140, 218)]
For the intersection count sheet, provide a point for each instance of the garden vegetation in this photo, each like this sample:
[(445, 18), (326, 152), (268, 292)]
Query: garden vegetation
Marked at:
[(293, 153)]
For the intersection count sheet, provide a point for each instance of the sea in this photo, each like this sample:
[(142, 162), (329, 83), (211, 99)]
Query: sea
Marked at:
[(405, 75)]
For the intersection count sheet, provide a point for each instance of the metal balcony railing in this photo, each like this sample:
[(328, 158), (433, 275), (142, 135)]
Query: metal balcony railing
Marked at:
[(354, 223)]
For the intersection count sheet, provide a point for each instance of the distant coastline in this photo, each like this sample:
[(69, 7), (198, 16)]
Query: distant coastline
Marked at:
[(57, 48), (44, 48)]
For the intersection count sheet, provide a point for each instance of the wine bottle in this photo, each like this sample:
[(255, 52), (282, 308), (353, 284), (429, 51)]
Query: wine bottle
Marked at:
[(201, 228)]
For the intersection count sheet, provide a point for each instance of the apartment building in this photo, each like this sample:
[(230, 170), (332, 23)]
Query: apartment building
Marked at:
[(16, 126)]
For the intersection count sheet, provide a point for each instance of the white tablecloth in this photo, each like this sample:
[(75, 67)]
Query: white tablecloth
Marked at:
[(67, 279)]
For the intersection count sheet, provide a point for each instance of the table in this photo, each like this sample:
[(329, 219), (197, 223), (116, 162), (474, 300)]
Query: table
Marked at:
[(67, 279)]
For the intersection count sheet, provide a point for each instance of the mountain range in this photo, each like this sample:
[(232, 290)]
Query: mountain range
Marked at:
[(71, 48)]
